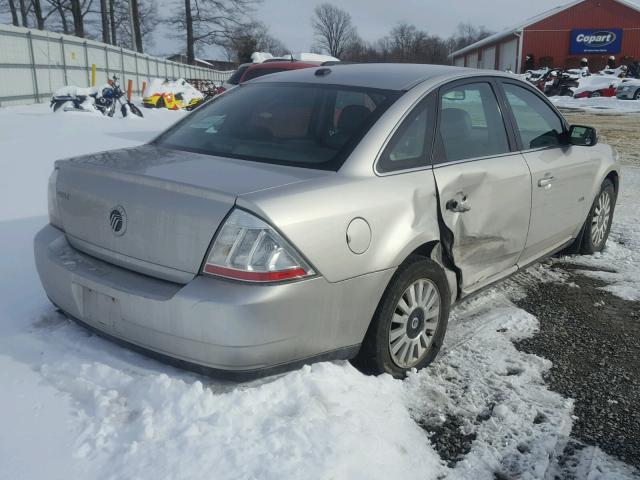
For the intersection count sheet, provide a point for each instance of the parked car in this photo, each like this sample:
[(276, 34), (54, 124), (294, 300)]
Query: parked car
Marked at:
[(595, 86), (267, 68), (629, 89), (235, 77), (325, 213)]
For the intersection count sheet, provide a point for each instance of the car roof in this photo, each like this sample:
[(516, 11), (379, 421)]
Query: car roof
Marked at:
[(387, 76)]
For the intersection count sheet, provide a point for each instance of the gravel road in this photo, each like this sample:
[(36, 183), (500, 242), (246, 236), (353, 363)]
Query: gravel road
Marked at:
[(593, 339)]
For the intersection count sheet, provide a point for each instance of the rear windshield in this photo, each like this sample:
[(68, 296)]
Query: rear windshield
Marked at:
[(259, 72), (313, 126), (234, 79)]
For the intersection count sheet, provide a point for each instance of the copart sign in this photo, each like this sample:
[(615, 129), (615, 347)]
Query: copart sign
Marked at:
[(606, 40)]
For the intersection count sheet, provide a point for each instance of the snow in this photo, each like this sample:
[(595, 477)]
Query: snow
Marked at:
[(77, 406), (259, 57), (619, 263), (595, 82), (609, 105)]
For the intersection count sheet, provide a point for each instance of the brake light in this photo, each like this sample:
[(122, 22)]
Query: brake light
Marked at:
[(247, 248)]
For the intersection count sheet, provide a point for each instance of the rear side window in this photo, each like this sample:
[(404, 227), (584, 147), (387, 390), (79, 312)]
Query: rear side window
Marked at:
[(537, 124), (313, 126), (234, 79), (411, 144), (471, 124)]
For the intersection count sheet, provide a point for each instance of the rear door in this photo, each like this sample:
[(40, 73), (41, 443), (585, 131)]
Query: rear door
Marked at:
[(484, 185), (561, 175)]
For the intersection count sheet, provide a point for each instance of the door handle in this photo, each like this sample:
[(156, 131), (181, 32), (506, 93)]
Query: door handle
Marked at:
[(546, 181), (458, 206)]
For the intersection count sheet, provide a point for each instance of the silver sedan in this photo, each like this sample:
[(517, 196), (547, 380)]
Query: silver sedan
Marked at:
[(327, 213)]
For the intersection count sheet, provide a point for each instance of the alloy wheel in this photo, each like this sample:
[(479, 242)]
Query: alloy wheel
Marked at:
[(600, 219), (414, 323)]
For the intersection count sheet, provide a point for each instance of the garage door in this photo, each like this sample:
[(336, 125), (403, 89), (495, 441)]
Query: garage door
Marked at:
[(459, 61), (489, 58), (472, 60), (508, 55)]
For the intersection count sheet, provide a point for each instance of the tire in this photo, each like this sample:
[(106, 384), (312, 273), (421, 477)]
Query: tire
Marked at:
[(135, 110), (160, 103), (418, 338), (595, 94), (636, 96), (598, 224)]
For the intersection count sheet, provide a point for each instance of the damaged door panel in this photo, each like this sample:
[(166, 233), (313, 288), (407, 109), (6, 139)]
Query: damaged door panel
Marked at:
[(486, 206)]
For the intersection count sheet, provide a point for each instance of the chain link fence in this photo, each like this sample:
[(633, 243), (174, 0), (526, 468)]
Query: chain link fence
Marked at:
[(35, 63)]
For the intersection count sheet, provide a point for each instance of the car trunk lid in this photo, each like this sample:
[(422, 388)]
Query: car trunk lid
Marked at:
[(156, 210)]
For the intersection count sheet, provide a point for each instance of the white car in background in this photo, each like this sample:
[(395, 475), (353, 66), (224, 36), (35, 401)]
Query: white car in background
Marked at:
[(629, 89)]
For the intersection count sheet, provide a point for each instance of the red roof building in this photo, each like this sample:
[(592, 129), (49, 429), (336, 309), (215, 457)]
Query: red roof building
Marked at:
[(561, 37)]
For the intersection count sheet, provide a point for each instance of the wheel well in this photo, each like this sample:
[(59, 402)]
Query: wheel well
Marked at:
[(425, 249), (613, 176)]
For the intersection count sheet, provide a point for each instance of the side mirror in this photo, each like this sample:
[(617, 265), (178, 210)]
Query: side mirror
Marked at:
[(455, 95), (583, 136)]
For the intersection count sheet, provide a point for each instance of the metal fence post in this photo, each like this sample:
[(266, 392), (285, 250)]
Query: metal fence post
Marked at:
[(64, 61), (86, 62), (122, 62), (33, 67), (106, 60), (135, 59)]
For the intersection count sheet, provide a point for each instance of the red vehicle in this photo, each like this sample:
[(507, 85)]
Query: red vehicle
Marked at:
[(609, 91), (260, 69)]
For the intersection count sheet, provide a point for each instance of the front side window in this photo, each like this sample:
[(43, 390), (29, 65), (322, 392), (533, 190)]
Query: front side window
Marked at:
[(471, 124), (314, 126), (537, 123)]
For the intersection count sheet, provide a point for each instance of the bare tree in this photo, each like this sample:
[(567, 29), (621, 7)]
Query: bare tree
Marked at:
[(37, 11), (112, 21), (209, 22), (104, 18), (61, 8), (135, 20), (14, 13), (333, 29), (78, 18), (467, 34), (24, 13), (253, 37), (145, 21)]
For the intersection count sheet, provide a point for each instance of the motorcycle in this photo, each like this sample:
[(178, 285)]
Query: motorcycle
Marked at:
[(557, 82), (209, 92), (106, 103)]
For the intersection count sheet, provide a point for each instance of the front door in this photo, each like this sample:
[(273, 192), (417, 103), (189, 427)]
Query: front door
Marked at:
[(484, 187), (561, 175)]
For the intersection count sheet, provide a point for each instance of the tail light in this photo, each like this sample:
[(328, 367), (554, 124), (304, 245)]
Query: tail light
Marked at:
[(247, 248), (52, 197)]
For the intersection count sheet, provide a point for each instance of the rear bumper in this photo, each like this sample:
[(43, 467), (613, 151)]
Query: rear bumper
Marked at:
[(213, 323)]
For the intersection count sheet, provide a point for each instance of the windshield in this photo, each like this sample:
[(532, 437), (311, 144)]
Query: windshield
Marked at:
[(313, 126)]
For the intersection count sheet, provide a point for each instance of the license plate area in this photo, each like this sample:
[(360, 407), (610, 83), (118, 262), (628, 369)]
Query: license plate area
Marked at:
[(99, 309)]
